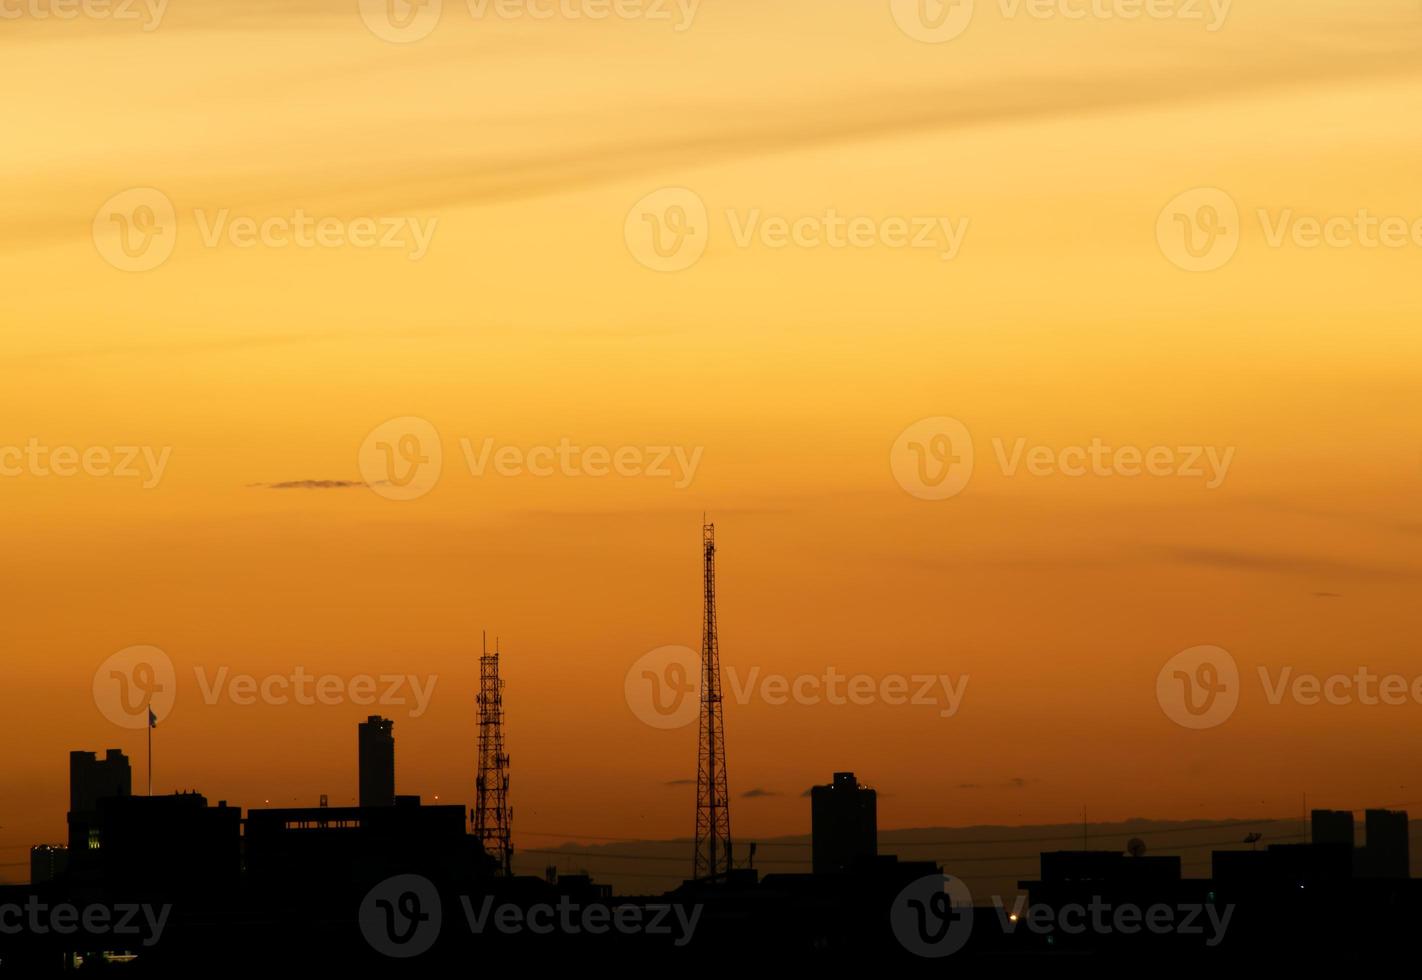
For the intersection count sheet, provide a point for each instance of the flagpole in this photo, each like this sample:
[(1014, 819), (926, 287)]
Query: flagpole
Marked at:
[(150, 748)]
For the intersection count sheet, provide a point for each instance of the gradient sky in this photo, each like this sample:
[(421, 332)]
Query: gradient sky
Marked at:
[(792, 370)]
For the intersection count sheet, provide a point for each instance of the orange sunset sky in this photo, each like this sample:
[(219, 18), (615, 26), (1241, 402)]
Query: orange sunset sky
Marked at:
[(532, 317)]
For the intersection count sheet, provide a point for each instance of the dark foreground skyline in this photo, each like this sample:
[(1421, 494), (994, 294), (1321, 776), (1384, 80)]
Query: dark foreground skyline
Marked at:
[(151, 885)]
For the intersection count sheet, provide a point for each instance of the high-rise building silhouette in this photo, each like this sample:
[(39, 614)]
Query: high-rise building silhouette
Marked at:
[(493, 817), (844, 824), (377, 762), (1333, 827), (713, 815), (92, 779), (1386, 853), (47, 862)]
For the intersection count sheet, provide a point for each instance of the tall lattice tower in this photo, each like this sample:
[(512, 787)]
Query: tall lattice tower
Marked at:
[(713, 814), (493, 817)]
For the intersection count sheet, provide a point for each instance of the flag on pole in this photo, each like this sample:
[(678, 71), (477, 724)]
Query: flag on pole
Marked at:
[(152, 718)]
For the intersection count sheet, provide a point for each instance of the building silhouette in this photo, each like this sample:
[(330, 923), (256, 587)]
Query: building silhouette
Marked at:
[(325, 848), (1386, 853), (174, 844), (339, 888), (377, 762), (92, 779), (48, 862), (844, 824), (1332, 827)]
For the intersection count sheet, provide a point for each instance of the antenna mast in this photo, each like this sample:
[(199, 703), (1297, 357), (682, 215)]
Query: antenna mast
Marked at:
[(713, 816), (493, 817)]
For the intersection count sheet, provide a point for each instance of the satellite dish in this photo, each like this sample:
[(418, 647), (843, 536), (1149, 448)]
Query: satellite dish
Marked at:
[(1135, 847)]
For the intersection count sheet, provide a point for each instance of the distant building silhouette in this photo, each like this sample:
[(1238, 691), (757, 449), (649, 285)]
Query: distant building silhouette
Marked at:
[(91, 780), (377, 762), (1386, 853), (1290, 865), (47, 862), (1059, 867), (339, 847), (1333, 827), (844, 824), (171, 842)]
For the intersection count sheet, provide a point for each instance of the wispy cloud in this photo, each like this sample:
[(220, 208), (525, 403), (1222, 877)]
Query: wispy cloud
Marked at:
[(1016, 782), (1321, 566), (311, 485)]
